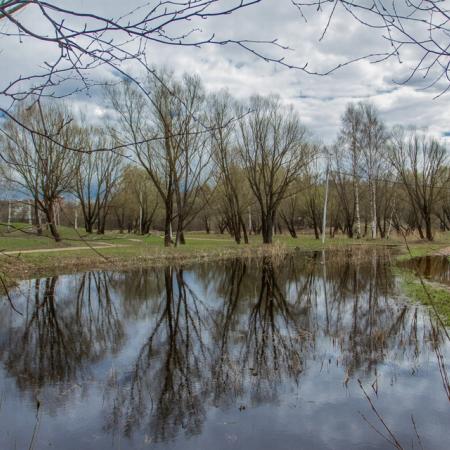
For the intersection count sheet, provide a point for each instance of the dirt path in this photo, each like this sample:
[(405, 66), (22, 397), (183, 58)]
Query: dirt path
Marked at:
[(189, 238), (444, 251), (63, 249)]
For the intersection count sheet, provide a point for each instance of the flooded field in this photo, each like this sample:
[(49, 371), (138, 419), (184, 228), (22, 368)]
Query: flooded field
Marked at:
[(433, 267), (317, 351)]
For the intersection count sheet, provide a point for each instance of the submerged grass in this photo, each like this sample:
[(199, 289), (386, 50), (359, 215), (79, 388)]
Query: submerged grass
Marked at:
[(437, 298)]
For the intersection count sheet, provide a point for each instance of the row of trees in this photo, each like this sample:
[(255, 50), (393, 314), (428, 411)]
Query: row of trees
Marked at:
[(180, 157), (404, 171)]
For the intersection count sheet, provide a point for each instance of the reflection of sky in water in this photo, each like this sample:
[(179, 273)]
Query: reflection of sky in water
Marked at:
[(258, 359)]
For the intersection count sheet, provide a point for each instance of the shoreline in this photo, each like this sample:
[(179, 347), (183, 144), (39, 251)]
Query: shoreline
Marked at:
[(41, 263), (19, 269), (109, 253)]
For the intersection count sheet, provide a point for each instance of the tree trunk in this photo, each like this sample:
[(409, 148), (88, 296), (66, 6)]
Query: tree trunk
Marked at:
[(102, 224), (244, 230), (419, 229), (88, 226), (374, 210), (316, 228), (37, 219), (291, 230), (358, 217), (349, 230), (120, 222), (267, 227), (179, 238), (50, 214), (168, 227), (428, 228)]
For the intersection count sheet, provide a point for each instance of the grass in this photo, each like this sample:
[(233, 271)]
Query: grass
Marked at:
[(115, 250), (19, 237), (126, 251), (440, 296), (424, 248)]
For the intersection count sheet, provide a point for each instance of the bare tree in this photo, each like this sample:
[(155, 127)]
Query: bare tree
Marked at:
[(192, 153), (40, 167), (357, 154), (135, 201), (273, 147), (228, 175), (346, 189), (178, 162), (79, 41), (290, 210), (420, 164), (313, 197), (96, 176), (138, 122), (349, 156), (372, 140)]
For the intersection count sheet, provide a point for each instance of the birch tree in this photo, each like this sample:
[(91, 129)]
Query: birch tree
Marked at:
[(349, 155), (372, 141)]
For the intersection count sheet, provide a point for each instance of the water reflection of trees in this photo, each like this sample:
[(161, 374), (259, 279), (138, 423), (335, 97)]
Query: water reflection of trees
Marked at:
[(169, 382), (434, 267), (260, 325), (365, 321), (222, 334), (61, 331)]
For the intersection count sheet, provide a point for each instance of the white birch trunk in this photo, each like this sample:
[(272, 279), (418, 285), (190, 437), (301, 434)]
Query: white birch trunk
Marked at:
[(9, 215), (374, 210), (358, 216)]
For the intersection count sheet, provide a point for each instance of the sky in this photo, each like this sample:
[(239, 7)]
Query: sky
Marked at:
[(320, 100)]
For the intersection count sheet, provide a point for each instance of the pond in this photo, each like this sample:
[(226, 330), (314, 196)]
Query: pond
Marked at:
[(432, 267), (311, 351)]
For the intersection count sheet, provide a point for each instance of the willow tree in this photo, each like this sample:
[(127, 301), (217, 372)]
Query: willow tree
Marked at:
[(138, 116), (96, 177), (40, 166), (273, 149), (229, 176), (420, 162), (166, 132)]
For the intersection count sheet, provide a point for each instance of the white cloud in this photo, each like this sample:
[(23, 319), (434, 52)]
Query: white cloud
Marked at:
[(320, 100)]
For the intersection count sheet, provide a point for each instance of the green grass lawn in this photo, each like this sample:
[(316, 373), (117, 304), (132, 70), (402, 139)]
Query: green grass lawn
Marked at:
[(119, 250), (20, 238), (115, 251)]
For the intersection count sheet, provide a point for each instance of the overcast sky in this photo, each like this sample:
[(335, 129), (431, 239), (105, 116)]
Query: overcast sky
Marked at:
[(319, 100)]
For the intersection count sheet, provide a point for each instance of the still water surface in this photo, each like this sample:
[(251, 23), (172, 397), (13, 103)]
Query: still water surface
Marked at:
[(432, 267), (231, 355)]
